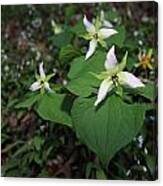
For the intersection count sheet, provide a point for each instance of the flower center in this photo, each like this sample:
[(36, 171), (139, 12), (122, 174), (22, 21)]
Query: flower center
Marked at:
[(42, 82), (115, 79), (145, 60), (95, 35)]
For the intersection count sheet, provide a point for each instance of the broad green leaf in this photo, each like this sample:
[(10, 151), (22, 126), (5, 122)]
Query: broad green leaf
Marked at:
[(82, 82), (79, 28), (28, 101), (107, 128), (131, 62), (131, 44), (117, 39), (55, 107), (149, 91), (67, 53), (62, 39)]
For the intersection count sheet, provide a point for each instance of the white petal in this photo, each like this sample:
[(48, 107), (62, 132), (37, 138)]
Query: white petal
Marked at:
[(106, 32), (47, 87), (35, 86), (41, 70), (92, 47), (102, 16), (88, 25), (107, 24), (105, 87), (128, 79), (111, 59)]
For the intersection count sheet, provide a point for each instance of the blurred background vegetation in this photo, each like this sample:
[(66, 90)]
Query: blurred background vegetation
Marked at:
[(32, 147)]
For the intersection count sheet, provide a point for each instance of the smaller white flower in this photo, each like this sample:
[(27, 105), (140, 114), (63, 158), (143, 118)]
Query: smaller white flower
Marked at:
[(57, 29), (42, 80), (114, 76), (97, 33)]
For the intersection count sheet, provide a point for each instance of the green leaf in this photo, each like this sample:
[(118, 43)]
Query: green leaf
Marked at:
[(22, 149), (55, 107), (79, 28), (28, 101), (111, 15), (70, 11), (151, 163), (67, 53), (82, 82), (107, 128), (38, 142), (130, 63), (117, 39), (149, 91), (100, 174), (62, 39)]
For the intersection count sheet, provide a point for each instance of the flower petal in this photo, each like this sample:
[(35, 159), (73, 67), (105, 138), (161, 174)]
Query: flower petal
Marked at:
[(105, 22), (88, 25), (47, 87), (105, 87), (111, 59), (128, 79), (35, 86), (92, 47), (106, 32), (41, 71), (102, 16)]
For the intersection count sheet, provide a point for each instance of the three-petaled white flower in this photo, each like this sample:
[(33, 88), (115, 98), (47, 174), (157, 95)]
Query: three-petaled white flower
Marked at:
[(96, 33), (114, 76), (42, 80)]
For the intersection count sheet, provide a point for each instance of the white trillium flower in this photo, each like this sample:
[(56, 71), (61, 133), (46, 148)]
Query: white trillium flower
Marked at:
[(114, 76), (42, 80), (96, 34)]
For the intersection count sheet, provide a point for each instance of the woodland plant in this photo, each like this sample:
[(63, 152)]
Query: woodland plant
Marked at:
[(107, 118)]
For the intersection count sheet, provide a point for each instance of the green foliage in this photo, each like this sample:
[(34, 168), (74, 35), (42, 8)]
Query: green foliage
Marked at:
[(149, 91), (62, 39), (55, 107), (119, 38), (38, 142), (78, 29), (104, 133), (50, 106), (130, 63), (67, 53), (151, 163), (100, 175), (82, 82), (29, 100), (70, 11)]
